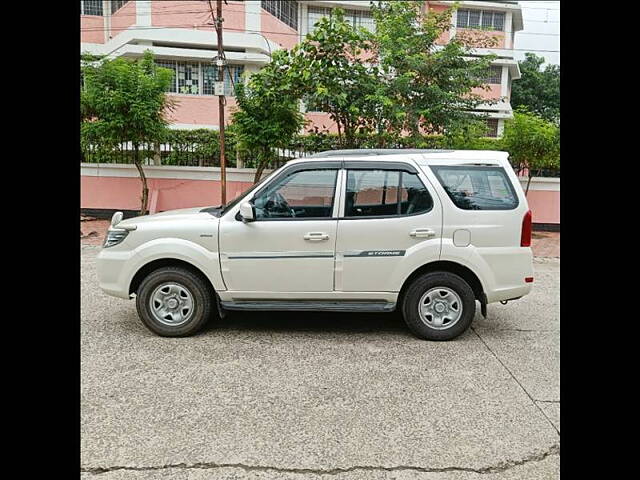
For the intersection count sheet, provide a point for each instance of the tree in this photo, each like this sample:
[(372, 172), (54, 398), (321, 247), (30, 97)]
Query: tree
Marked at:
[(268, 115), (329, 68), (538, 90), (425, 86), (124, 100), (395, 81), (533, 143)]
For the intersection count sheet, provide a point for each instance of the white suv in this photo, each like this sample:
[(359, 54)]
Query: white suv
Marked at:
[(429, 232)]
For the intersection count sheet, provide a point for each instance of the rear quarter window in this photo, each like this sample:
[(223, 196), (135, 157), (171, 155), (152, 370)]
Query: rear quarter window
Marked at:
[(477, 188)]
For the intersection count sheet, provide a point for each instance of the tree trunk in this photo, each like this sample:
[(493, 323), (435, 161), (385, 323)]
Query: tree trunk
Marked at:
[(262, 163), (339, 131), (530, 176), (259, 171), (145, 189)]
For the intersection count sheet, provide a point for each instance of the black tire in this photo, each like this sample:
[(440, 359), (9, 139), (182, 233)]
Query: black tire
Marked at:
[(423, 284), (202, 295)]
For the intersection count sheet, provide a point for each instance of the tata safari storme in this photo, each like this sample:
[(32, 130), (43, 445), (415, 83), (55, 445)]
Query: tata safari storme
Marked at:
[(428, 232)]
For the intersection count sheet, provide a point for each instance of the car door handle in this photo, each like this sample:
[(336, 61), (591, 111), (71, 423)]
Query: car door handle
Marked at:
[(316, 236), (422, 233)]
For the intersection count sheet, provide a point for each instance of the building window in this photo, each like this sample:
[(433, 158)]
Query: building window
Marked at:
[(357, 18), (486, 19), (284, 10), (209, 77), (171, 66), (232, 75), (492, 127), (189, 78), (91, 7), (198, 78), (117, 5), (495, 76)]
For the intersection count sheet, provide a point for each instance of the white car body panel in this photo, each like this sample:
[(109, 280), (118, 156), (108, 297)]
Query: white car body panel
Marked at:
[(271, 260), (273, 256)]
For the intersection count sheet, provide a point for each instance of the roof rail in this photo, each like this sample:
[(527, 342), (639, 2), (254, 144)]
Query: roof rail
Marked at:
[(374, 151)]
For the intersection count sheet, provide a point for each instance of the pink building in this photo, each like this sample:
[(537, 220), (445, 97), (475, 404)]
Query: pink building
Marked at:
[(182, 38)]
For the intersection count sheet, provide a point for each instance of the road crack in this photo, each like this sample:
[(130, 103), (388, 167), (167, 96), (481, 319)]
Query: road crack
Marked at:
[(516, 380), (500, 467)]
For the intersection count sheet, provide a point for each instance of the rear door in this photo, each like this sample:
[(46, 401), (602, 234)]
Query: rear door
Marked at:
[(390, 222)]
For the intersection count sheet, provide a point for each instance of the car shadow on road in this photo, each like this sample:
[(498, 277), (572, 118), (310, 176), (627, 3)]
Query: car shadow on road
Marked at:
[(326, 322)]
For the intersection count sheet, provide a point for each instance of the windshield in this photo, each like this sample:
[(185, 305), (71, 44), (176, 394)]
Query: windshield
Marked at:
[(239, 198)]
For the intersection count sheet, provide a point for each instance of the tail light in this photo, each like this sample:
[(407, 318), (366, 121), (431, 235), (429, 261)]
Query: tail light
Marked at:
[(525, 237)]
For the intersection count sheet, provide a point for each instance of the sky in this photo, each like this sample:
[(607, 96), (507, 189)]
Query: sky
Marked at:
[(541, 30)]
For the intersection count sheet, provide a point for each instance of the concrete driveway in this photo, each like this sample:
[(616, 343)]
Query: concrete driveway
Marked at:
[(322, 396)]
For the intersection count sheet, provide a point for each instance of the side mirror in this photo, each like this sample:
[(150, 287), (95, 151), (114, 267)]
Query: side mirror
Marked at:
[(247, 212), (116, 219)]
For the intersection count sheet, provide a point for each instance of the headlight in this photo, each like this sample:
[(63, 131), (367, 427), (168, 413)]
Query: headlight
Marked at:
[(114, 237)]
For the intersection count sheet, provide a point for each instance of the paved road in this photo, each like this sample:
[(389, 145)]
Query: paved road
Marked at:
[(321, 396)]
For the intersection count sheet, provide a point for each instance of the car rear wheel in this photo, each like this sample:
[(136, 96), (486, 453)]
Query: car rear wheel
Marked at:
[(174, 302), (438, 306)]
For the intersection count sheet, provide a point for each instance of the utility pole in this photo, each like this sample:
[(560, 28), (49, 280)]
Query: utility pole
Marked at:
[(220, 62)]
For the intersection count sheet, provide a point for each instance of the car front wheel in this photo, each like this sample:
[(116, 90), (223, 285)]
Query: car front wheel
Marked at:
[(438, 306), (174, 302)]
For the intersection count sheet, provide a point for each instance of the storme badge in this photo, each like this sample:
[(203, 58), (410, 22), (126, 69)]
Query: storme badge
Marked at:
[(376, 253)]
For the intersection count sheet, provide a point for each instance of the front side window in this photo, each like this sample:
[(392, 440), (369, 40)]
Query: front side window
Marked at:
[(477, 188), (375, 193), (303, 194)]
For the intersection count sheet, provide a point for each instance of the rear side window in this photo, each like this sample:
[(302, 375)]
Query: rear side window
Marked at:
[(375, 193), (477, 188)]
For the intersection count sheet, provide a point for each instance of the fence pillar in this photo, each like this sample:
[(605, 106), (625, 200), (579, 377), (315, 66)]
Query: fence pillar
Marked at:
[(157, 160), (153, 200), (239, 160)]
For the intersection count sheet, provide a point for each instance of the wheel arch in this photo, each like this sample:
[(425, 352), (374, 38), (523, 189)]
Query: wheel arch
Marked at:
[(462, 271), (153, 265)]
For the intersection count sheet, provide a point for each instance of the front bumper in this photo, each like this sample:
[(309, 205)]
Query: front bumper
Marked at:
[(113, 274)]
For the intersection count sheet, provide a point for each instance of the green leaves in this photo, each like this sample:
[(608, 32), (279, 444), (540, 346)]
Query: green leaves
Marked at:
[(532, 141), (267, 116), (396, 81), (538, 90), (125, 99)]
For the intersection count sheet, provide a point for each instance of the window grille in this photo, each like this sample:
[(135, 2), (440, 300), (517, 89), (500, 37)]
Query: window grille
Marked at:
[(91, 7), (487, 19), (284, 10)]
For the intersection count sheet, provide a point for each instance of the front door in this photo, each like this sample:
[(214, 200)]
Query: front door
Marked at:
[(390, 223), (290, 247)]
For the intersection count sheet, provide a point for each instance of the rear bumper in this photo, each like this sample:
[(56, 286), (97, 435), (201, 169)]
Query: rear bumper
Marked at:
[(509, 293), (509, 268)]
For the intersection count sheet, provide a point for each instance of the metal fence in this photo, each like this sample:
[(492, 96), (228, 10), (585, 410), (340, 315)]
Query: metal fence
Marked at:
[(200, 154), (190, 154)]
